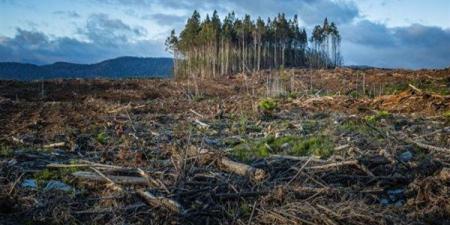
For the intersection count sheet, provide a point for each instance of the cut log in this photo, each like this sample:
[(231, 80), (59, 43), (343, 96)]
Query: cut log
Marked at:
[(205, 156), (243, 169)]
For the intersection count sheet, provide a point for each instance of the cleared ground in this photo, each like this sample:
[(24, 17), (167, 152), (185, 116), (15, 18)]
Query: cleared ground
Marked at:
[(287, 147)]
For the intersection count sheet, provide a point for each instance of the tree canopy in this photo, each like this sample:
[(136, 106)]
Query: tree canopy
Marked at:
[(215, 47)]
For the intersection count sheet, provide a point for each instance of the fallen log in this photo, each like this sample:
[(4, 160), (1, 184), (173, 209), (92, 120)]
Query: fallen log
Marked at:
[(149, 198), (205, 156), (242, 169)]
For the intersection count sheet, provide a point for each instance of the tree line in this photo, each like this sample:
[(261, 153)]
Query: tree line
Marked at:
[(213, 47)]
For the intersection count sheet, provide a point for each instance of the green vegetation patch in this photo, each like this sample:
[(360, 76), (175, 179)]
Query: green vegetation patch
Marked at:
[(268, 105), (310, 126), (319, 145), (446, 115), (243, 125), (377, 117), (425, 85), (355, 126), (102, 138), (55, 174)]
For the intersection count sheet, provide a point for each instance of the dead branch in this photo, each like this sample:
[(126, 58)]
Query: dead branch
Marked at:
[(55, 145), (333, 165), (428, 147), (117, 179), (101, 165), (196, 113), (297, 158), (152, 181), (111, 209), (238, 195), (111, 182), (164, 202), (200, 123), (299, 171), (415, 89)]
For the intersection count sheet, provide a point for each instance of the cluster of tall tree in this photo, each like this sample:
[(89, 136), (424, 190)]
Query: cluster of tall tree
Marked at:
[(212, 47), (326, 46)]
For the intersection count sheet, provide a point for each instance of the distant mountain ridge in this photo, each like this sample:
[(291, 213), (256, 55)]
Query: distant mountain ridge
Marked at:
[(121, 67)]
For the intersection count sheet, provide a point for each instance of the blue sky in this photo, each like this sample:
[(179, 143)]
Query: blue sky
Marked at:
[(385, 33)]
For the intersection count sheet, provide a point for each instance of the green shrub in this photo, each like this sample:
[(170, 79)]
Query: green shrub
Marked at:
[(268, 105), (102, 138)]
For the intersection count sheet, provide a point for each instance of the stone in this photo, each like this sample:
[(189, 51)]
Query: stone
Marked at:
[(57, 185), (29, 183)]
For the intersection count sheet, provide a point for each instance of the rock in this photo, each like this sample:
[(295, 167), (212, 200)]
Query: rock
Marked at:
[(29, 183), (57, 185), (399, 203), (212, 142), (286, 146), (444, 175), (396, 194), (406, 156), (384, 202), (399, 124)]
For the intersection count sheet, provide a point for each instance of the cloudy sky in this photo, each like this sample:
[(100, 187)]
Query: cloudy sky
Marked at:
[(383, 33)]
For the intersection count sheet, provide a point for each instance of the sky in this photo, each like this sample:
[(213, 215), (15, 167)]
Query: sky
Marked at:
[(383, 33)]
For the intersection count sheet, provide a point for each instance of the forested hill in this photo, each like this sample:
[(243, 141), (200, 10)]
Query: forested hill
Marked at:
[(114, 68)]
